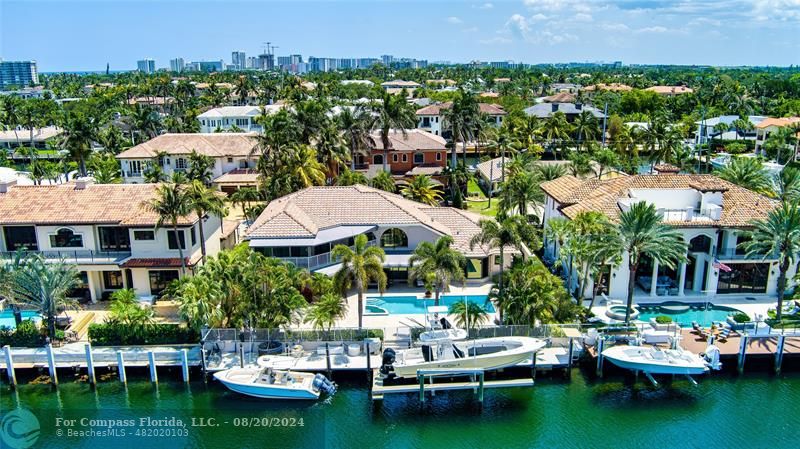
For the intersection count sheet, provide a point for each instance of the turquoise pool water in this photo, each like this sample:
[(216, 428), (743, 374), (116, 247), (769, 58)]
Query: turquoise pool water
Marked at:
[(704, 314), (7, 318), (406, 305)]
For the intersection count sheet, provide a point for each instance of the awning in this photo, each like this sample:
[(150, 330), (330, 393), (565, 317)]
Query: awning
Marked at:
[(323, 236)]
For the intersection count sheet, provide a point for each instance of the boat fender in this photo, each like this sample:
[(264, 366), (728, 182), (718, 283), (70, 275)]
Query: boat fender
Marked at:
[(711, 356), (427, 353)]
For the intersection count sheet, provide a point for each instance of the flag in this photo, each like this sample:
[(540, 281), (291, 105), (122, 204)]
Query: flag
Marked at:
[(721, 266)]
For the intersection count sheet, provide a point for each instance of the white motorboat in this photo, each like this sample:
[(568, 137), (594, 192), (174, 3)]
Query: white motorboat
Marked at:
[(441, 329), (485, 354), (654, 360), (275, 384)]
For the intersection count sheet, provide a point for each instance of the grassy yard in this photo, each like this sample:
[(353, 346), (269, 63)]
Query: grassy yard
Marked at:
[(478, 202)]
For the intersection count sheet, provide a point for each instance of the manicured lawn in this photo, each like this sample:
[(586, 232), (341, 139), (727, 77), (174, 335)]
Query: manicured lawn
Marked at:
[(473, 189), (482, 207)]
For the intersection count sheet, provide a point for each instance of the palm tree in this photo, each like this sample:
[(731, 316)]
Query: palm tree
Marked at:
[(324, 312), (549, 172), (585, 126), (505, 143), (446, 264), (422, 189), (606, 158), (200, 166), (360, 265), (788, 185), (203, 201), (469, 315), (304, 167), (519, 193), (242, 88), (643, 234), (556, 128), (79, 131), (394, 112), (357, 124), (332, 150), (383, 181), (171, 203), (580, 164), (350, 178), (44, 286), (778, 234), (462, 118), (513, 232), (747, 172), (104, 168)]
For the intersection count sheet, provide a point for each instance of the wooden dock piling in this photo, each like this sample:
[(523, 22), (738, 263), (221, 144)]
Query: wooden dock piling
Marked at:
[(600, 344), (742, 353), (779, 354)]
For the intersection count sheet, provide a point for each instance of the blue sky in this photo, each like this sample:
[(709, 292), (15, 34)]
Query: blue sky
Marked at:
[(68, 35)]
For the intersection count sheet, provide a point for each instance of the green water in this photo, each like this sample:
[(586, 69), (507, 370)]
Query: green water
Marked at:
[(753, 410)]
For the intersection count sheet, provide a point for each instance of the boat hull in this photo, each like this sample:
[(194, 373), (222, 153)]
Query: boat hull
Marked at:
[(622, 357), (267, 391)]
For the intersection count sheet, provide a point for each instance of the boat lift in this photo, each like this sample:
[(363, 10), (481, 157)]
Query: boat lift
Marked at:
[(425, 378)]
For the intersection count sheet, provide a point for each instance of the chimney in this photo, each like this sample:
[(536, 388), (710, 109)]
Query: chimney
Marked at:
[(579, 106), (555, 107), (83, 183), (5, 185)]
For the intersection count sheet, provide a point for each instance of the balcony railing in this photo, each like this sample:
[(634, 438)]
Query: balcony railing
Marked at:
[(690, 214), (325, 259), (76, 257), (738, 254)]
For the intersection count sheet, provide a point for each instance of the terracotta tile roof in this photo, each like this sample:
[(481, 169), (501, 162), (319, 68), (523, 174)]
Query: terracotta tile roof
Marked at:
[(413, 140), (485, 108), (670, 90), (666, 168), (167, 262), (238, 176), (489, 94), (305, 213), (211, 144), (739, 206), (561, 97), (614, 87), (779, 122), (119, 204)]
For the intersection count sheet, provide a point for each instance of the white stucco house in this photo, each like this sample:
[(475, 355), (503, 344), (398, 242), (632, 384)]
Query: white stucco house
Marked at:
[(711, 214), (769, 126), (104, 230), (227, 117), (431, 118)]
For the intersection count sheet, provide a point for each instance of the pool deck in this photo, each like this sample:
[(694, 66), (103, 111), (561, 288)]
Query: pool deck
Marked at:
[(756, 344)]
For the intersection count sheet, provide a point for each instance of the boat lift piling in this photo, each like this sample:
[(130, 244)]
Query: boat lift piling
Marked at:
[(123, 377), (742, 353), (51, 365), (779, 354), (328, 361), (185, 364), (12, 377), (90, 364), (600, 344), (152, 362)]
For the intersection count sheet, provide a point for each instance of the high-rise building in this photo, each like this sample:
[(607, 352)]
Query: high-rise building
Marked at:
[(177, 65), (209, 66), (387, 60), (252, 62), (266, 61), (18, 73), (239, 60), (146, 66)]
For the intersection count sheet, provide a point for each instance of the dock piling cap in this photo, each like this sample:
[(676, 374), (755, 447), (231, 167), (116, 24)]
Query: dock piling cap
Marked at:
[(571, 332)]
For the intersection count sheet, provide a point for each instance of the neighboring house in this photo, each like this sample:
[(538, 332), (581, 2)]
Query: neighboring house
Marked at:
[(417, 148), (397, 86), (670, 91), (571, 110), (561, 97), (105, 230), (431, 118), (22, 137), (491, 172), (230, 151), (613, 87), (304, 226), (706, 128), (769, 126), (28, 92), (242, 117), (565, 87), (713, 216)]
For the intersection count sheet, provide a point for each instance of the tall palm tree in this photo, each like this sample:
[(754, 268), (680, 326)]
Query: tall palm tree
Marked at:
[(304, 167), (394, 113), (242, 88), (325, 311), (203, 201), (511, 232), (445, 263), (519, 193), (422, 189), (383, 181), (788, 185), (332, 150), (360, 265), (357, 124), (556, 128), (171, 203), (778, 234), (44, 286), (468, 314), (462, 118), (747, 172), (79, 131), (585, 127), (505, 143), (643, 234), (549, 172)]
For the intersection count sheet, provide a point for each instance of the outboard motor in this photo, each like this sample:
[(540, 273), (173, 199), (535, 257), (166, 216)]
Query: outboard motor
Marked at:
[(387, 370), (445, 324), (324, 385), (711, 356)]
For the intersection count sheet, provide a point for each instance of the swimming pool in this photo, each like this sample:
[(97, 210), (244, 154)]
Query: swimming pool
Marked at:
[(408, 305), (684, 313), (7, 318)]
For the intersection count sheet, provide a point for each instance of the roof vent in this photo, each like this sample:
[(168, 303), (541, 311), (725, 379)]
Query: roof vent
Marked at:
[(555, 107), (83, 183), (5, 185)]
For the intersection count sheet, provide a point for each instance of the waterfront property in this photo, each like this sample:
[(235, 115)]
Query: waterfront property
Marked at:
[(769, 126), (416, 149), (105, 231), (711, 214), (303, 227), (490, 173), (431, 118), (230, 151), (23, 137), (571, 110), (711, 128), (241, 117)]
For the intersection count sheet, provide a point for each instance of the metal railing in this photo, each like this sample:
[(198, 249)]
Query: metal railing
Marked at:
[(76, 256), (738, 254)]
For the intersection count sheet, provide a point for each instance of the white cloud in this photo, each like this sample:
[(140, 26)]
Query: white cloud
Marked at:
[(495, 40), (486, 6), (614, 27), (653, 29), (519, 26), (470, 30), (583, 17), (705, 21), (454, 20), (538, 17), (549, 5)]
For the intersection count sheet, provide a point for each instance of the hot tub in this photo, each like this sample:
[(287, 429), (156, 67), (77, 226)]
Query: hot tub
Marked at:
[(617, 312)]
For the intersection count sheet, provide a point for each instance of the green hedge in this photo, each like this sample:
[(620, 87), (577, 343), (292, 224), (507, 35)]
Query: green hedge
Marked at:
[(27, 335), (663, 319), (111, 334), (741, 318)]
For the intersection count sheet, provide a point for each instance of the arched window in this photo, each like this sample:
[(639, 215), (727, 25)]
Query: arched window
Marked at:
[(377, 159), (700, 244), (66, 238), (394, 238)]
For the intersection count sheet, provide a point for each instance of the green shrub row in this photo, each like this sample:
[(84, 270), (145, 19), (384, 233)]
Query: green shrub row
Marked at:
[(114, 334), (27, 335)]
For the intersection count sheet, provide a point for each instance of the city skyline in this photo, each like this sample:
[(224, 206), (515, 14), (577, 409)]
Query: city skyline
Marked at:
[(731, 32)]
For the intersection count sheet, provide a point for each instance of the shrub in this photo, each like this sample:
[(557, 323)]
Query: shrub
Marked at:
[(663, 319), (115, 334), (27, 335), (741, 317)]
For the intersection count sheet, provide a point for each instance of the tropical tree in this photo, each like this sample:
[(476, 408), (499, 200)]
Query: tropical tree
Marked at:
[(324, 312), (787, 186), (79, 131), (606, 160), (549, 172), (171, 203), (580, 164), (332, 150), (777, 235), (357, 124), (203, 200), (469, 315), (360, 265), (446, 264), (104, 168), (393, 113), (556, 128), (643, 234), (200, 166), (422, 190), (126, 311), (520, 192), (586, 127), (462, 119), (44, 286), (747, 172), (350, 178), (383, 181)]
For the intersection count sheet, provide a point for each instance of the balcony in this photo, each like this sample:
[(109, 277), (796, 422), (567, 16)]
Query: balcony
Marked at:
[(738, 254), (77, 257), (710, 213)]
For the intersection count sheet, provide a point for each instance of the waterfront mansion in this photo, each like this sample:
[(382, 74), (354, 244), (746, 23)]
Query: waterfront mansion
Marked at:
[(712, 214), (105, 230), (304, 226)]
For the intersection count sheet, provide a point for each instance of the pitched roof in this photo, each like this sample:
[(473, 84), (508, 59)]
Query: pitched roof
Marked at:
[(670, 90), (213, 144), (779, 122), (543, 110), (307, 212), (493, 167), (120, 204), (739, 205), (24, 135), (400, 83), (485, 108), (614, 87), (414, 139), (561, 97), (238, 176)]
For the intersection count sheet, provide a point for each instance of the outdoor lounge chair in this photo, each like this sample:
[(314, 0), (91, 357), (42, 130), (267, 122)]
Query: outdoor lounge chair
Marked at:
[(724, 334), (696, 328)]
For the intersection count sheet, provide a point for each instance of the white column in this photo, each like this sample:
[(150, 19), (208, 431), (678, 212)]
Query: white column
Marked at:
[(655, 279), (699, 266), (94, 291), (682, 279)]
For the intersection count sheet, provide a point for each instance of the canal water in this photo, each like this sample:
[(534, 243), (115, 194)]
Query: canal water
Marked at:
[(724, 410)]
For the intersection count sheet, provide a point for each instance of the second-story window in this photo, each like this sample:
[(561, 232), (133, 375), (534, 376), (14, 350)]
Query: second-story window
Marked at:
[(66, 238), (172, 240), (20, 238), (419, 158)]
